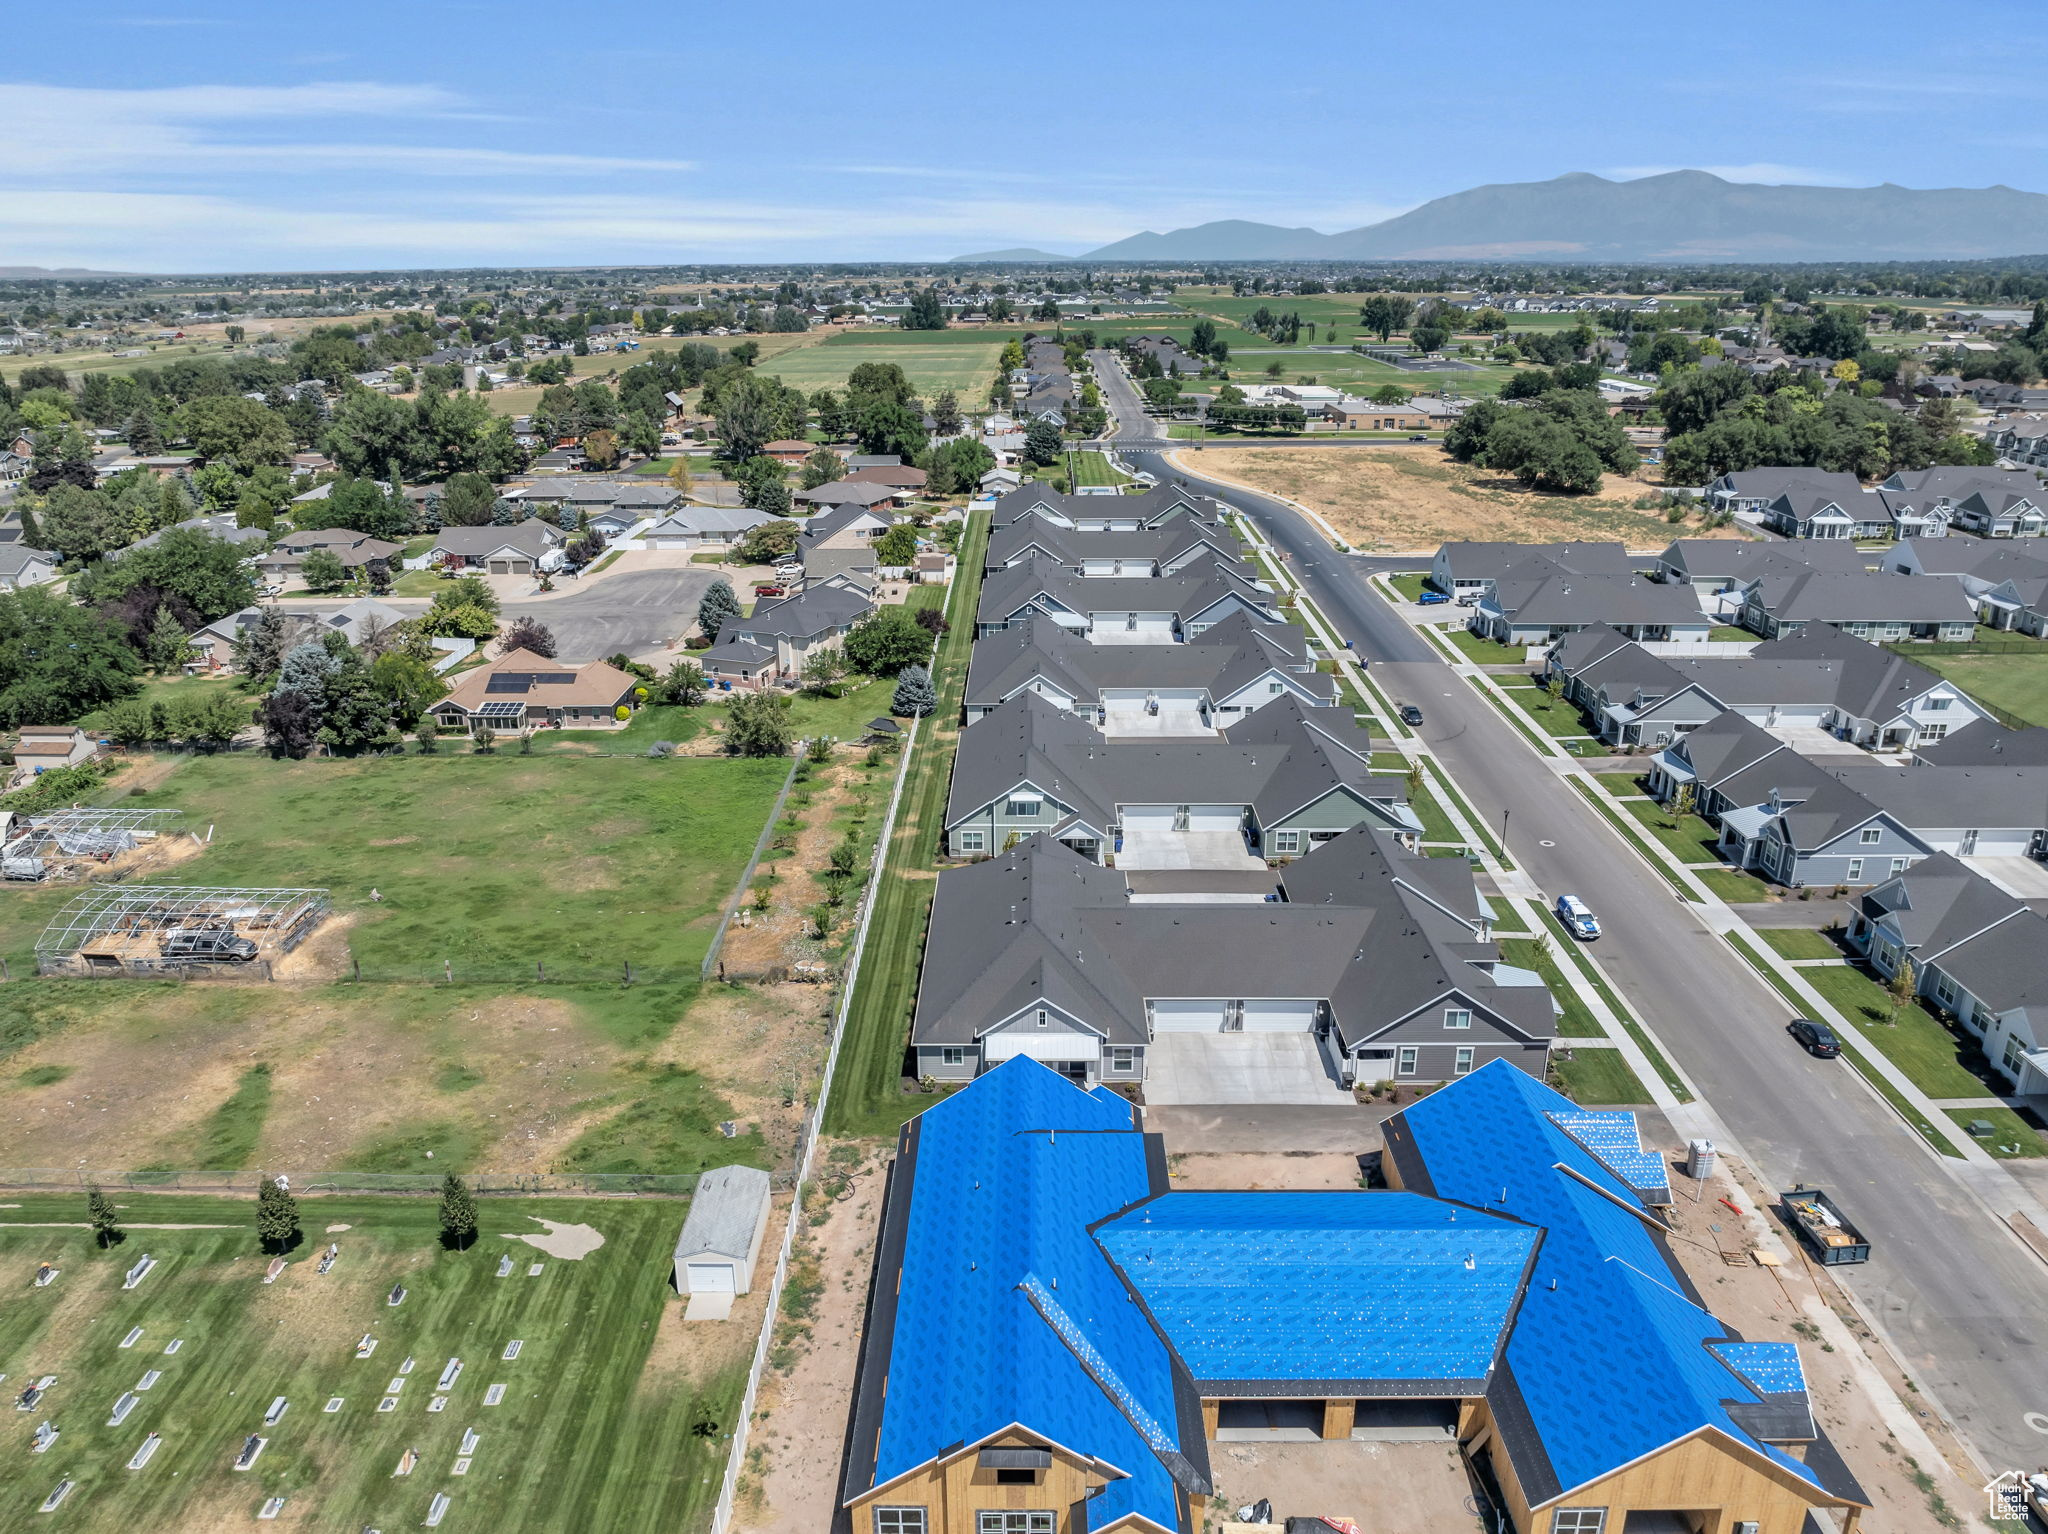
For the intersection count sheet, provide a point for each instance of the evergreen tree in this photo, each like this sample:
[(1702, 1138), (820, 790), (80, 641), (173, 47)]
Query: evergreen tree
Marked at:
[(165, 646), (946, 413), (915, 696), (1042, 444), (716, 608), (259, 648), (277, 1217), (757, 724), (106, 1224), (428, 734), (458, 1213)]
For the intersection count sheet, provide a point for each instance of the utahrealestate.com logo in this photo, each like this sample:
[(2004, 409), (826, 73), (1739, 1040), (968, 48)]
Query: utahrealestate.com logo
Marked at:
[(2007, 1497)]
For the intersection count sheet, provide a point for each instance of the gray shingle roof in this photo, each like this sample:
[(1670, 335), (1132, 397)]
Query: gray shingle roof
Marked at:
[(1821, 597)]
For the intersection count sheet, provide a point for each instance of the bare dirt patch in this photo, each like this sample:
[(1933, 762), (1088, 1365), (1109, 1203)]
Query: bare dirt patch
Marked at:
[(800, 1415), (1235, 1170), (572, 1243), (762, 1047), (1415, 498)]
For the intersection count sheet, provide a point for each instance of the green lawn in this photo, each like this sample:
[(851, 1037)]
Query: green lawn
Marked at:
[(1411, 585), (493, 862), (961, 360), (2012, 1138), (1557, 718), (1600, 1078), (1724, 633), (1918, 1045), (1799, 943), (1483, 650), (1091, 468), (866, 1099), (2014, 682), (1692, 839), (1734, 887), (1577, 1020), (1622, 783), (592, 1431)]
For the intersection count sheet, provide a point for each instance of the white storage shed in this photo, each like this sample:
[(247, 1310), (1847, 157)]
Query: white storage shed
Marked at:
[(721, 1237)]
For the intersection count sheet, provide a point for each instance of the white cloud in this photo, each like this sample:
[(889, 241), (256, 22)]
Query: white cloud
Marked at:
[(1761, 172), (60, 132)]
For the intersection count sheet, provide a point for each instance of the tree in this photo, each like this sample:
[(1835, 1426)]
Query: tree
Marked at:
[(754, 476), (468, 502), (204, 576), (291, 725), (757, 724), (887, 640), (926, 311), (165, 647), (746, 353), (898, 546), (528, 634), (679, 476), (1390, 394), (466, 608), (1042, 444), (106, 1223), (1385, 313), (822, 467), (766, 543), (684, 684), (1902, 986), (428, 734), (884, 427), (458, 1214), (235, 431), (601, 448), (58, 661), (259, 648), (354, 713), (322, 570), (277, 1214), (957, 467), (824, 671), (716, 608), (914, 696), (946, 417)]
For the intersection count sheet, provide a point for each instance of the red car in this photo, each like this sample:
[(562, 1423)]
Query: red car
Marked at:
[(771, 591)]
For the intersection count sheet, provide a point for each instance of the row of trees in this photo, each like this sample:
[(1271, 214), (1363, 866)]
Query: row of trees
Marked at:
[(278, 1227), (1562, 440)]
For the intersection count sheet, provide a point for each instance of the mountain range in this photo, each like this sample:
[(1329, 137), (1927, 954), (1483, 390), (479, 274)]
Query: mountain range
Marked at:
[(1679, 216)]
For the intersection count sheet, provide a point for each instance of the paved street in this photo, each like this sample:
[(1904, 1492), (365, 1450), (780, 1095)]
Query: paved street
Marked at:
[(638, 611), (1960, 1299)]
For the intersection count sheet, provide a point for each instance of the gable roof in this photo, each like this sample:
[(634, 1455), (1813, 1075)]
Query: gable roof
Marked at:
[(532, 537), (1825, 597), (810, 611), (1738, 559), (523, 677), (1220, 659)]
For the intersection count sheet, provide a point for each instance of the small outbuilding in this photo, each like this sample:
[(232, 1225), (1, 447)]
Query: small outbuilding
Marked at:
[(721, 1239)]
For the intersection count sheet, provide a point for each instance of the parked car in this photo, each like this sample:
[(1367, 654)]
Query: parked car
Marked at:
[(1817, 1039), (770, 589), (1421, 436), (1578, 918), (207, 943), (1410, 714), (1431, 599)]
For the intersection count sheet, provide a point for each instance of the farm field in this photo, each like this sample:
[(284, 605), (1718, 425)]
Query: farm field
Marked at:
[(1415, 498), (963, 361), (611, 1417)]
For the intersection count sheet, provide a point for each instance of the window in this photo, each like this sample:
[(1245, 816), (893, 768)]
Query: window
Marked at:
[(1457, 1017), (2011, 1058), (1404, 1061), (1936, 705), (1932, 732), (1287, 841), (1578, 1520), (1016, 1477), (1855, 870), (1464, 1061), (1898, 866), (1944, 990), (1871, 835), (899, 1520), (953, 1055), (1276, 688), (1123, 1059), (970, 841), (1016, 1523), (1024, 809), (1042, 1019)]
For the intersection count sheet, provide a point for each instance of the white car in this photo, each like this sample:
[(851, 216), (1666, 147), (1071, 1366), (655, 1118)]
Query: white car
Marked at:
[(1578, 918)]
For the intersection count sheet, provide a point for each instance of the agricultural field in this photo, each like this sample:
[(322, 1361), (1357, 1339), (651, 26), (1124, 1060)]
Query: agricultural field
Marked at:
[(961, 360), (1401, 498), (520, 399), (611, 1415), (532, 881)]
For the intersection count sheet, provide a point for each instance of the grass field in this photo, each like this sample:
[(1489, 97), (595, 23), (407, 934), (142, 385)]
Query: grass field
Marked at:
[(865, 1097), (1600, 1078), (1095, 469), (611, 1419), (963, 361), (2013, 683), (1798, 943), (1691, 838)]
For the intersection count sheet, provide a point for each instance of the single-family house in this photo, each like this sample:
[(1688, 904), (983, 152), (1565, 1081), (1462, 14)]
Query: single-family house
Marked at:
[(1813, 829), (221, 525), (1752, 490), (514, 550), (1991, 746), (1028, 1219), (213, 644), (771, 645), (1469, 570), (40, 747), (1096, 513), (703, 527), (1976, 954), (1123, 610), (788, 450), (522, 691), (1714, 565), (862, 494), (842, 541), (1876, 607), (1991, 503), (1992, 812), (1142, 553), (287, 559), (22, 566), (1535, 603), (904, 477)]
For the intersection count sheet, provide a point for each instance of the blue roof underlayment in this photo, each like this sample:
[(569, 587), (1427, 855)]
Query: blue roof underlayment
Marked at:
[(1323, 1286), (1010, 1172), (1770, 1367), (1609, 1355), (1612, 1136)]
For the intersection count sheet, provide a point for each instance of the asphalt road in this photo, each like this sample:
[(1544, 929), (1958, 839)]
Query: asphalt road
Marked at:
[(1960, 1300), (637, 611)]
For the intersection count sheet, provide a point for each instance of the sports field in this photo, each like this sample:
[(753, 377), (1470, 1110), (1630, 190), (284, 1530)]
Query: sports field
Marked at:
[(934, 360), (611, 1417)]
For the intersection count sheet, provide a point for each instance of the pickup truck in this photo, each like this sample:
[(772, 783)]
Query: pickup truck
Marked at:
[(207, 943), (1578, 918)]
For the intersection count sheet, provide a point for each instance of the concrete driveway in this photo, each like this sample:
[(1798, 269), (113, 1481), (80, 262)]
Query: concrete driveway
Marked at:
[(640, 612), (1185, 849), (1136, 724), (1219, 1068)]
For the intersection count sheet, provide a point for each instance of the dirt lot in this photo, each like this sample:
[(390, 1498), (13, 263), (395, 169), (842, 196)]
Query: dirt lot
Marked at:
[(1396, 499)]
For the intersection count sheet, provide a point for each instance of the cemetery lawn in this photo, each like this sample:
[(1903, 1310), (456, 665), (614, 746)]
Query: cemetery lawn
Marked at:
[(612, 1418)]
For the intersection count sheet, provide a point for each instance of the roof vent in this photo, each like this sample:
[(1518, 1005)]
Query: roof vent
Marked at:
[(1471, 1262)]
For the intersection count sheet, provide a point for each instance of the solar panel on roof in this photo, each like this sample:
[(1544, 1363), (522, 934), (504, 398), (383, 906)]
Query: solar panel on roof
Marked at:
[(506, 681), (542, 677), (501, 710)]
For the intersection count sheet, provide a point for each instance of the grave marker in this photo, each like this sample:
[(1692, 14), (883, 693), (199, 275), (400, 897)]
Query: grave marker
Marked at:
[(389, 1403), (128, 1402), (270, 1273), (333, 1404), (367, 1346), (512, 1350), (470, 1439), (272, 1508), (149, 1378), (45, 1436), (46, 1275), (30, 1398), (141, 1455), (406, 1367), (505, 1266), (494, 1395), (396, 1297), (277, 1410), (536, 1270), (439, 1403), (461, 1467), (139, 1272), (55, 1498), (252, 1450), (450, 1374), (437, 1510), (327, 1257), (397, 1384), (406, 1461), (132, 1338), (174, 1344)]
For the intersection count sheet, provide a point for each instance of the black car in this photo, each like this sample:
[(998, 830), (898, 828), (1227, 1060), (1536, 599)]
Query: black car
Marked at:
[(1817, 1039), (1410, 714)]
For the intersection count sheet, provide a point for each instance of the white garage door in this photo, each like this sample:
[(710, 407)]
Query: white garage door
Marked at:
[(1278, 1016), (709, 1277), (1215, 817), (1149, 817), (1182, 1016)]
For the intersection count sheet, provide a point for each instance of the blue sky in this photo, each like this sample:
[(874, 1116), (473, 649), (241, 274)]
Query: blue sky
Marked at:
[(214, 135)]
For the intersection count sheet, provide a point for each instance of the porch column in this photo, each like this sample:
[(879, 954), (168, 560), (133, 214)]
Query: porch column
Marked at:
[(1210, 1411), (1338, 1417)]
